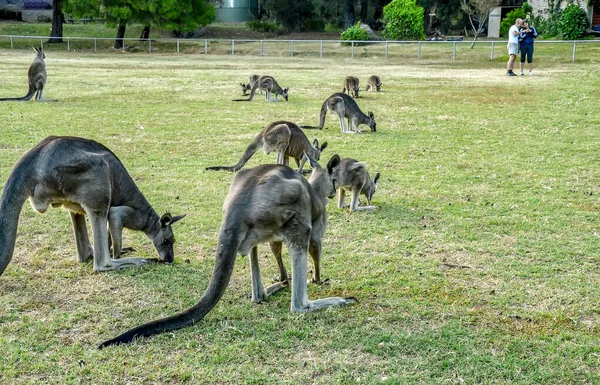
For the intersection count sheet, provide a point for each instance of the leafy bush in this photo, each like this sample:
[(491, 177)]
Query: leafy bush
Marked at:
[(572, 22), (403, 20), (509, 20), (263, 26), (316, 25), (355, 33), (548, 27)]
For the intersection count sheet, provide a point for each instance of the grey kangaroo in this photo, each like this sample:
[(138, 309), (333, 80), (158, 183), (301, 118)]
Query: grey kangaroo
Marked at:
[(351, 86), (270, 86), (351, 175), (268, 203), (345, 107), (286, 139), (373, 84), (36, 77), (247, 87), (84, 177)]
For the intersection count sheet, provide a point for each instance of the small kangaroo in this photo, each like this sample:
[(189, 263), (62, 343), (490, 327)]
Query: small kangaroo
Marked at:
[(286, 139), (268, 203), (36, 77), (247, 87), (270, 86), (374, 83), (351, 86), (84, 177), (344, 106), (352, 175)]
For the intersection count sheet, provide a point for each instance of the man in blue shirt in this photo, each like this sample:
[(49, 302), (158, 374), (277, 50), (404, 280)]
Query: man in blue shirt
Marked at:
[(526, 38)]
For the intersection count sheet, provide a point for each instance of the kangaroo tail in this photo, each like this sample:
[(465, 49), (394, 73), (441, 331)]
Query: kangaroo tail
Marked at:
[(321, 118), (24, 98), (252, 148), (14, 194), (229, 241)]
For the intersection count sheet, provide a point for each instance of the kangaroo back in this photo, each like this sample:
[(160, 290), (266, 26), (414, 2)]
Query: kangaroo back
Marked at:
[(252, 148)]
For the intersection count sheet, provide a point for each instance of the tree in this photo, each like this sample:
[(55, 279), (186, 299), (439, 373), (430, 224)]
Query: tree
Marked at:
[(349, 16), (403, 20), (58, 18), (478, 12), (291, 14)]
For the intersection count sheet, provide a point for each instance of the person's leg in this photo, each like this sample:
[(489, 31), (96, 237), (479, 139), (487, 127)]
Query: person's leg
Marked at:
[(530, 60)]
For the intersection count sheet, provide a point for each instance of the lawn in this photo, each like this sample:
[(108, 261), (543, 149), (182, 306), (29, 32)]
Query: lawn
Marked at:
[(480, 267)]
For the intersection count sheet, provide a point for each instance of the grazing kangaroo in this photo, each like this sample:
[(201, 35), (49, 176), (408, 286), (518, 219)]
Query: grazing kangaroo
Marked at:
[(247, 87), (374, 83), (36, 77), (352, 175), (84, 177), (270, 86), (286, 139), (268, 203), (351, 86), (344, 106)]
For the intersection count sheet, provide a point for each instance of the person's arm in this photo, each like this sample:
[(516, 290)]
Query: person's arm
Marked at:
[(533, 32)]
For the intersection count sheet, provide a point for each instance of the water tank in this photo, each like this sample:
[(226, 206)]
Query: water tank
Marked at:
[(237, 10)]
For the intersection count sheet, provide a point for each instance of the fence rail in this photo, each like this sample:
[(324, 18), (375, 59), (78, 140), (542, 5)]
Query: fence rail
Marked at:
[(317, 48)]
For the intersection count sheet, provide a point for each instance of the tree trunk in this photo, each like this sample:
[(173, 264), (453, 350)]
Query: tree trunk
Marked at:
[(364, 10), (56, 32), (119, 42), (145, 32), (348, 13), (377, 14)]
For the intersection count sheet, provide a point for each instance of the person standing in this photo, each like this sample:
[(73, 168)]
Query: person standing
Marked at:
[(513, 46), (526, 37)]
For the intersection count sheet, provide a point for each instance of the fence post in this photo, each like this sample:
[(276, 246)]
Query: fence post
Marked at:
[(178, 46), (321, 50), (232, 47), (262, 48), (291, 48), (42, 44), (95, 44), (353, 48), (386, 49), (574, 48), (149, 46), (68, 44), (123, 43), (419, 52), (205, 46), (454, 52), (492, 53), (12, 45)]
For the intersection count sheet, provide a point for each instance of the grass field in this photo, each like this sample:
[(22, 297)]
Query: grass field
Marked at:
[(481, 267)]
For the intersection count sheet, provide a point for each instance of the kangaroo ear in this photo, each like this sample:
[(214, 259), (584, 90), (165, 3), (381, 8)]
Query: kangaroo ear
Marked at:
[(165, 219), (313, 163), (315, 143), (371, 115), (35, 49), (333, 162), (376, 178), (177, 218), (323, 146)]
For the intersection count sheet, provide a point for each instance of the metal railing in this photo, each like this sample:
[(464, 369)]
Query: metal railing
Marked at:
[(315, 48)]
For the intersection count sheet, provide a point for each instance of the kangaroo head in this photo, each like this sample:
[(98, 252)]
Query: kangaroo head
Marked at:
[(370, 188), (378, 86), (39, 53), (372, 122), (285, 94), (356, 89), (163, 239), (324, 177), (318, 149)]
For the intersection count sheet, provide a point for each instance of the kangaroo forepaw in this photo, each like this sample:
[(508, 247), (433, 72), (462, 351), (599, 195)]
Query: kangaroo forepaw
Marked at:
[(320, 282), (126, 250)]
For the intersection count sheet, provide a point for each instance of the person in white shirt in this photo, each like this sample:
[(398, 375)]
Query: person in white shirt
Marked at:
[(513, 46)]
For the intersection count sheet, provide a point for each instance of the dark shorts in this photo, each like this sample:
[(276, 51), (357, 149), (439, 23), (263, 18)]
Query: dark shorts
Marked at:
[(527, 51)]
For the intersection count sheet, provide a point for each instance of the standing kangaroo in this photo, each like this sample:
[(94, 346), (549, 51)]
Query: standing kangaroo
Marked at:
[(36, 77), (374, 83), (286, 139), (268, 203), (344, 106), (84, 177), (351, 86), (352, 175), (247, 87), (270, 86)]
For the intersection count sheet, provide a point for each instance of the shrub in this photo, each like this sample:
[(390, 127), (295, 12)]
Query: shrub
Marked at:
[(403, 20), (572, 22), (509, 20), (316, 25), (263, 26), (355, 33)]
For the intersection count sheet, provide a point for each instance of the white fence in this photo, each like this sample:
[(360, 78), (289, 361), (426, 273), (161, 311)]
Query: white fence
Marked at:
[(317, 48)]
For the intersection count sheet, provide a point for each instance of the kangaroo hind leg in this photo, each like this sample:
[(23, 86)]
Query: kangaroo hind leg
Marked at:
[(82, 240)]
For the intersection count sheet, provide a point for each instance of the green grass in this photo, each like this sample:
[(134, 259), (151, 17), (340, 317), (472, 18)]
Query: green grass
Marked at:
[(496, 174)]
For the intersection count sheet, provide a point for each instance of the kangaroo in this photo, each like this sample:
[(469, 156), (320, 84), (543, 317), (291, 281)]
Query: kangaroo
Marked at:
[(351, 86), (344, 106), (374, 83), (286, 139), (269, 85), (84, 177), (36, 77), (247, 87), (268, 203), (352, 175)]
